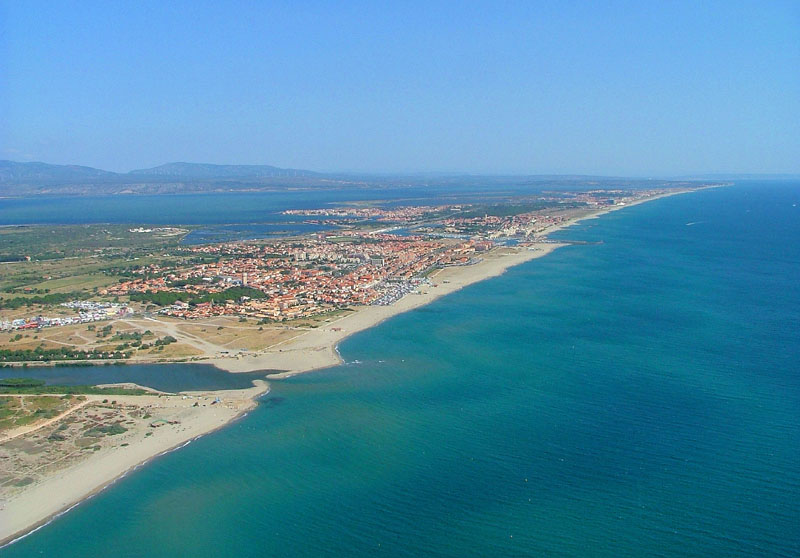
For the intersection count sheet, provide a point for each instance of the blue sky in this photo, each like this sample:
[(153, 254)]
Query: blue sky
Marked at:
[(615, 88)]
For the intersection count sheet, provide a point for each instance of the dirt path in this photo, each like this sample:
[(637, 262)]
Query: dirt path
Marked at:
[(22, 430), (172, 329)]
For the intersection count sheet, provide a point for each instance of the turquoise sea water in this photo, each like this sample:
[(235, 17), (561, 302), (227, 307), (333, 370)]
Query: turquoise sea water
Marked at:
[(639, 397)]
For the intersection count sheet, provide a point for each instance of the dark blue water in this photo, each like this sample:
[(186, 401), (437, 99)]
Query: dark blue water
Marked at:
[(172, 378), (640, 397), (233, 216), (227, 208)]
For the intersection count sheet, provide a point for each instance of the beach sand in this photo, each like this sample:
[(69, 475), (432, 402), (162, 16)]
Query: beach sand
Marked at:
[(316, 348), (58, 488)]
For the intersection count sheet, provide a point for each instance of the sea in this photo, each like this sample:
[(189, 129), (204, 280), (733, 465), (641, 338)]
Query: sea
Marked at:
[(634, 395)]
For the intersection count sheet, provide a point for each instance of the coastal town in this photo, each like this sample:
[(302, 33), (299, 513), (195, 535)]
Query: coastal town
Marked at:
[(286, 280), (373, 256), (391, 279), (301, 277)]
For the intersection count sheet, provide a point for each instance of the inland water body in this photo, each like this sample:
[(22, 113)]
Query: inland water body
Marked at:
[(224, 217)]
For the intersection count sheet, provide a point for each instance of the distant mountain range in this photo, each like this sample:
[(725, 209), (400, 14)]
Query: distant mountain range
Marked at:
[(25, 179), (12, 171), (19, 179), (206, 171)]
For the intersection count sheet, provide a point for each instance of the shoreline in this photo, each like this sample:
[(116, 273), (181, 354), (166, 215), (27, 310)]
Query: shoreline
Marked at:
[(313, 350), (318, 349), (31, 509)]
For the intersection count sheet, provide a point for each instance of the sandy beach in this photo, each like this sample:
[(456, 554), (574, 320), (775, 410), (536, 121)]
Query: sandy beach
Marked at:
[(61, 486), (316, 349)]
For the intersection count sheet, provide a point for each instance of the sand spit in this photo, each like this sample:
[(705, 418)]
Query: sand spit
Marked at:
[(50, 469)]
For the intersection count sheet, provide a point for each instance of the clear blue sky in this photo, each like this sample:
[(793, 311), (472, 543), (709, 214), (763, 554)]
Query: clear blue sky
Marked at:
[(615, 88)]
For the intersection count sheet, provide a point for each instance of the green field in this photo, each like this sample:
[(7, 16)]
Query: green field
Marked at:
[(17, 411), (43, 260), (28, 386)]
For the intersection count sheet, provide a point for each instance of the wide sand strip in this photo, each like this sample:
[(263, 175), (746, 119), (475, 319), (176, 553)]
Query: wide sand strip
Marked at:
[(317, 348)]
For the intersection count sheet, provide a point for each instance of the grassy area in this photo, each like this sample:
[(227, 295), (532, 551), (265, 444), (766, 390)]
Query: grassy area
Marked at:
[(44, 259), (232, 335), (64, 353), (69, 390), (105, 430), (46, 242), (22, 411)]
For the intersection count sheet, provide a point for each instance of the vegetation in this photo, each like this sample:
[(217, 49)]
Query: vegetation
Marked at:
[(68, 390), (185, 282), (68, 262), (105, 430), (129, 336), (20, 382), (163, 298), (165, 341), (40, 354), (46, 242), (15, 413), (52, 298)]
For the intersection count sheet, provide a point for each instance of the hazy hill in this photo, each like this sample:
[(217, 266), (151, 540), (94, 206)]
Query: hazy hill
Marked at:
[(24, 179), (12, 171), (207, 171), (30, 179)]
